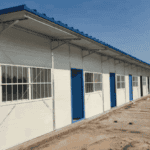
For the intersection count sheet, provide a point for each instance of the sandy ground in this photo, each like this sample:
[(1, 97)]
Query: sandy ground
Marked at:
[(127, 128)]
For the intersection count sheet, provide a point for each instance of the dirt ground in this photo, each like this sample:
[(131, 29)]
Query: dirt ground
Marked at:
[(127, 128)]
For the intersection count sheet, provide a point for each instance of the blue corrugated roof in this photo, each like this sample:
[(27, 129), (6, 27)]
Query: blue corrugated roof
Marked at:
[(34, 11)]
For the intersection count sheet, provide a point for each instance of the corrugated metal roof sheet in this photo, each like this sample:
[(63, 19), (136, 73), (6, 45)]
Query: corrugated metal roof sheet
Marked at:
[(34, 11)]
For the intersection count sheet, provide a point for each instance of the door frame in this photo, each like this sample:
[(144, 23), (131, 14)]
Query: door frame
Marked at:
[(115, 88), (141, 86), (131, 88), (83, 102)]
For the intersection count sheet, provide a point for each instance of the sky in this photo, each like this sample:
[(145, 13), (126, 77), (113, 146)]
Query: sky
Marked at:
[(124, 24)]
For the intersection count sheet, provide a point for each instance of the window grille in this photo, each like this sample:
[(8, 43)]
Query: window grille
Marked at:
[(15, 83), (120, 81), (93, 82), (144, 80), (135, 81), (40, 83)]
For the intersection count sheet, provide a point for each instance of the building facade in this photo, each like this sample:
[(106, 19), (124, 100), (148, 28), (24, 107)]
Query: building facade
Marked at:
[(53, 75)]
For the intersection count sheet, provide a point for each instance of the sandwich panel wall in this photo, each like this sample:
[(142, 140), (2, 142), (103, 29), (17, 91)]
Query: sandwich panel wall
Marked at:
[(93, 100), (127, 83), (62, 98), (26, 121), (21, 48), (62, 87), (120, 92), (106, 84)]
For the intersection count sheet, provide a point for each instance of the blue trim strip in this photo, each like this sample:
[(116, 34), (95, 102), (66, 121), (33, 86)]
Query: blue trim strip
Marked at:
[(24, 7)]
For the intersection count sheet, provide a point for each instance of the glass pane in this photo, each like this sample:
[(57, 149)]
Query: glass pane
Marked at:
[(123, 85), (97, 86), (38, 91), (8, 74), (19, 74), (137, 79), (3, 74), (46, 75), (3, 93), (49, 90), (42, 90), (38, 74), (25, 91), (88, 87), (46, 94), (49, 75), (34, 74), (118, 85), (34, 91), (122, 78), (25, 75), (9, 93), (101, 86), (88, 77), (136, 83), (100, 77), (14, 92), (31, 91), (118, 78), (14, 74), (43, 75), (96, 77), (20, 92), (31, 75), (133, 78)]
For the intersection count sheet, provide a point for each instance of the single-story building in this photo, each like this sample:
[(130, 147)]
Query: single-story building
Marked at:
[(53, 75)]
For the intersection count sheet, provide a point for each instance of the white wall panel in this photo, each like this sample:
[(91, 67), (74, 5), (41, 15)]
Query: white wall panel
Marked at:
[(25, 122), (61, 58), (144, 90), (106, 85), (76, 58), (120, 97), (93, 104), (139, 90), (135, 93), (21, 48), (127, 88), (62, 97), (92, 63), (119, 68), (111, 65)]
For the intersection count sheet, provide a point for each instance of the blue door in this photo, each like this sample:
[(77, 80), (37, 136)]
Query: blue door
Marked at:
[(112, 90), (130, 88), (77, 94)]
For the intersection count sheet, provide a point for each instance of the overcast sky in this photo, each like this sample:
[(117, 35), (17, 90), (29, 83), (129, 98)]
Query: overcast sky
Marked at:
[(124, 24)]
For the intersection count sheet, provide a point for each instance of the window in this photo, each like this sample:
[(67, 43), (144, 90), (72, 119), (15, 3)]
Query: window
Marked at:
[(93, 82), (120, 82), (135, 81), (40, 83), (144, 80), (15, 83)]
